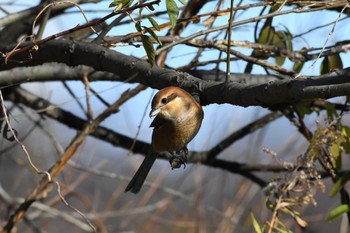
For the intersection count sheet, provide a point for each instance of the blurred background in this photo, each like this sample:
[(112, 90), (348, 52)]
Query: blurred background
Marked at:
[(198, 198)]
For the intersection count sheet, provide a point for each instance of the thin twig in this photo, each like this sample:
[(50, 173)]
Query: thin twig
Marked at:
[(326, 42), (229, 31), (30, 47), (242, 22), (41, 189), (90, 114), (23, 147), (72, 207)]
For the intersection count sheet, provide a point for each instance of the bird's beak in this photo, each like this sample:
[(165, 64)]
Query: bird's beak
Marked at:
[(154, 112)]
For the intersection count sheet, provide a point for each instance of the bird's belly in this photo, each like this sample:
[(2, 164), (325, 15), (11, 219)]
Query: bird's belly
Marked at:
[(170, 139)]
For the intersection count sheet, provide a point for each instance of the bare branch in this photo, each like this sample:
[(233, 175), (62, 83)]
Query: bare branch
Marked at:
[(273, 93), (41, 189)]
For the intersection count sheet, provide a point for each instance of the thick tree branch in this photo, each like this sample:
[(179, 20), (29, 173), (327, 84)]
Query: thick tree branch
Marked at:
[(101, 59), (52, 72), (61, 72)]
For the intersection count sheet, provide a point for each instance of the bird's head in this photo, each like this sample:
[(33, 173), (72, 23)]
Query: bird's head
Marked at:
[(172, 103)]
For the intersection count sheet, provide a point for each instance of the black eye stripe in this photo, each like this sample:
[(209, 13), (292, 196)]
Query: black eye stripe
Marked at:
[(166, 100), (171, 97)]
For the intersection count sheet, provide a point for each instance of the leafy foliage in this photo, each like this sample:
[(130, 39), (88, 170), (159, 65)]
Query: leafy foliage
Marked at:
[(148, 45), (173, 11), (331, 62), (337, 212), (120, 4)]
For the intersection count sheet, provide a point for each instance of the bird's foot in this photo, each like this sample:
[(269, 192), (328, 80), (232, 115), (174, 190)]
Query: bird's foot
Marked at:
[(176, 162), (179, 158)]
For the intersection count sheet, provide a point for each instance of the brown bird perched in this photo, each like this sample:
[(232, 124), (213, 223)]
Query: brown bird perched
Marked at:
[(178, 118)]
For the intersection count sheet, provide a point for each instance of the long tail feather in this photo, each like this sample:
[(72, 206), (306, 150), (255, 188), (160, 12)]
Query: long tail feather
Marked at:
[(140, 176)]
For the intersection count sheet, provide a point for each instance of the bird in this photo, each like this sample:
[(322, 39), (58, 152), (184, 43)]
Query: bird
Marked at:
[(178, 118)]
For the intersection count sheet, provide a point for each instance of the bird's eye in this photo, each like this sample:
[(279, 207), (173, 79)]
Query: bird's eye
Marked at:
[(164, 100)]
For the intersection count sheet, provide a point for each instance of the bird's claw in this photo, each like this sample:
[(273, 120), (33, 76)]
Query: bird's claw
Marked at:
[(176, 162), (178, 158)]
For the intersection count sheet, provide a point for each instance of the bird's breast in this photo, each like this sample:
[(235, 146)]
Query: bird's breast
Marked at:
[(174, 135)]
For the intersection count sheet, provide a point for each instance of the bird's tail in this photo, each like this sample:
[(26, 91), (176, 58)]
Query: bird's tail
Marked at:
[(140, 176)]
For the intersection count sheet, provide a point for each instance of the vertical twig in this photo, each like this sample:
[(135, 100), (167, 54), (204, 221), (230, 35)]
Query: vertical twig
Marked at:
[(90, 114), (228, 63), (43, 24)]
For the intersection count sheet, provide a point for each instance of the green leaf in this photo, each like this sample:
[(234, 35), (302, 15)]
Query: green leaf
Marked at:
[(280, 60), (303, 108), (346, 142), (335, 62), (266, 35), (183, 2), (119, 4), (173, 11), (289, 40), (115, 3), (314, 148), (153, 22), (335, 151), (280, 40), (153, 35), (127, 2), (298, 65), (138, 26), (331, 111), (331, 62), (147, 44), (324, 69), (257, 227), (280, 230), (269, 204), (339, 184), (337, 212)]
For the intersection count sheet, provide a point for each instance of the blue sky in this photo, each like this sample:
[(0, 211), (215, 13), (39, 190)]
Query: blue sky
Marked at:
[(220, 120)]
